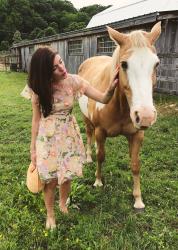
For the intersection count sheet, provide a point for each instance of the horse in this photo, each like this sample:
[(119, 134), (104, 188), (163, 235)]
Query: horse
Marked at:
[(130, 110)]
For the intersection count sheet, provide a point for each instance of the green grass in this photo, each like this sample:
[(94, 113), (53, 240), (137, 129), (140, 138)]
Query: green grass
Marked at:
[(100, 218)]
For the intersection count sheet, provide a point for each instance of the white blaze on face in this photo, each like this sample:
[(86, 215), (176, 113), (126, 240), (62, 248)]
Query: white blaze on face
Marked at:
[(139, 72), (83, 103)]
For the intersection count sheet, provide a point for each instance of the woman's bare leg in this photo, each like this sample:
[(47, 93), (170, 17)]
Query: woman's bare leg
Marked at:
[(64, 193), (49, 195)]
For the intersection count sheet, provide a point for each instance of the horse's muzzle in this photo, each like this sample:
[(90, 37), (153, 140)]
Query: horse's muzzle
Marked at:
[(143, 117)]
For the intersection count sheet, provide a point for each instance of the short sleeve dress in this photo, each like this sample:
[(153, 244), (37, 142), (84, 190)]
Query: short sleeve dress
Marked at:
[(59, 147)]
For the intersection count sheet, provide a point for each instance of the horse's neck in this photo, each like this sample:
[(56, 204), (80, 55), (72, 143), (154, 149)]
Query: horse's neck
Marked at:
[(119, 100)]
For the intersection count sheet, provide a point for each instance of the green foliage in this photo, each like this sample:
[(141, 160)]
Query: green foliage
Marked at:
[(35, 33), (66, 19), (54, 25), (39, 22), (99, 218), (82, 17), (32, 17), (40, 34), (4, 45), (49, 31), (75, 26), (17, 37), (93, 9)]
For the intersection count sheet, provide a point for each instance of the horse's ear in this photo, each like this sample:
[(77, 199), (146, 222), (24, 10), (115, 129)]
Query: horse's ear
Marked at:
[(155, 33), (116, 36)]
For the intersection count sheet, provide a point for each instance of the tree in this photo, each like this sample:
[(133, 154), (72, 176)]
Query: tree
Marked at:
[(39, 22), (34, 34), (17, 37), (49, 31), (28, 15), (4, 45), (66, 19), (93, 9), (54, 25), (40, 34), (82, 17), (75, 26)]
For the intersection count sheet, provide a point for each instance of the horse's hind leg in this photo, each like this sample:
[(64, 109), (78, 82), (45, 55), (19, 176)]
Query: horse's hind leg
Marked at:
[(135, 142), (90, 133), (100, 153)]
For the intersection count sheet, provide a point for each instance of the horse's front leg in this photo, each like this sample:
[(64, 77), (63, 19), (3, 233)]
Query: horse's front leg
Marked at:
[(90, 133), (135, 142), (100, 154)]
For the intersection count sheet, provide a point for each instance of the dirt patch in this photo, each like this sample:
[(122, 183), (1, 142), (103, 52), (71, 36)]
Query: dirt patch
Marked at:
[(168, 108), (2, 66)]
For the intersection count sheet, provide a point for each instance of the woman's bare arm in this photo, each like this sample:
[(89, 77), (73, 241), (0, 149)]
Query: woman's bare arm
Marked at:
[(97, 95), (34, 130)]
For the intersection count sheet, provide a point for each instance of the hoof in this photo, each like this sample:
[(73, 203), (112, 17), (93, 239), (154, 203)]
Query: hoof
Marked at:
[(139, 204), (98, 183), (139, 210), (63, 209), (50, 223), (68, 201), (89, 160)]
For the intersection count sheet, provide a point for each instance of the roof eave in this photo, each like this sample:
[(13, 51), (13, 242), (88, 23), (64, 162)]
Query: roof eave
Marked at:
[(135, 21)]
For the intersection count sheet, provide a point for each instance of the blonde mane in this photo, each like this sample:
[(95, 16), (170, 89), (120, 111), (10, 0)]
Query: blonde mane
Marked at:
[(115, 59), (138, 39)]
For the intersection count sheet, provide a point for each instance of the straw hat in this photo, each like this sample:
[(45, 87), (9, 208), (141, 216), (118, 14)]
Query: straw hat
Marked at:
[(33, 181)]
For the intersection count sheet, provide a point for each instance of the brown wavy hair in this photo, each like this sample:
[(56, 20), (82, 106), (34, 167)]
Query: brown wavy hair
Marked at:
[(40, 77)]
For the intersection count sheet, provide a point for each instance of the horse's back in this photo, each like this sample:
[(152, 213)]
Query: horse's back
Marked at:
[(96, 71)]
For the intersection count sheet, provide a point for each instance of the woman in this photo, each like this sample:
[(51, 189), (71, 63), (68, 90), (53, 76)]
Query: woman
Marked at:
[(56, 146)]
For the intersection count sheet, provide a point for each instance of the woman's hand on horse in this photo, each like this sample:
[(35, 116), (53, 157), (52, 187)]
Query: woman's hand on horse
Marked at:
[(115, 79), (114, 82), (99, 96)]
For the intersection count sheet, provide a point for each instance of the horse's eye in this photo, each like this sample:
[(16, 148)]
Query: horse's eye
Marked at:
[(157, 64), (124, 65)]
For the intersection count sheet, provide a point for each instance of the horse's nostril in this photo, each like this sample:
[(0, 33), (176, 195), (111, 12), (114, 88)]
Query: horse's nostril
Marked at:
[(137, 117)]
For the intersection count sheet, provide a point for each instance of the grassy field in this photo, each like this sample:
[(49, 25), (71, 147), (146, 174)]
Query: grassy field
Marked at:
[(100, 218)]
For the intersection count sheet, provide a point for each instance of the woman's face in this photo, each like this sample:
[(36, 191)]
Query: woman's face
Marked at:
[(59, 70)]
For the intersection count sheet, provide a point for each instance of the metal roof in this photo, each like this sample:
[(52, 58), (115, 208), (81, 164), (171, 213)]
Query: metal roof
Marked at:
[(126, 9)]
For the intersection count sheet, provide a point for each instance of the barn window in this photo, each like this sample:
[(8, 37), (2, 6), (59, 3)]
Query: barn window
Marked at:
[(105, 45), (31, 50), (75, 47)]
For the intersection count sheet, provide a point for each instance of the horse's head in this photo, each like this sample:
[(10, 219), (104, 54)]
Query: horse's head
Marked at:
[(138, 61)]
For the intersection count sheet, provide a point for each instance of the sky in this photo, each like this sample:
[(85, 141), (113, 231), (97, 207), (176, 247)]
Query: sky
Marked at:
[(82, 3)]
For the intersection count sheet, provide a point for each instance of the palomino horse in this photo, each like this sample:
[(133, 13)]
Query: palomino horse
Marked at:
[(131, 109)]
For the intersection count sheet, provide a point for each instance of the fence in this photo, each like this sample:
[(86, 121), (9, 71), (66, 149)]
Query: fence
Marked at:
[(9, 62)]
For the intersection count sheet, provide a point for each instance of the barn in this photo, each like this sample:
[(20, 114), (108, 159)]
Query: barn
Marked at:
[(76, 46)]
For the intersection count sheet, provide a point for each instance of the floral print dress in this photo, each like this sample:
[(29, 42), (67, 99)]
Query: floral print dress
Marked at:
[(59, 147)]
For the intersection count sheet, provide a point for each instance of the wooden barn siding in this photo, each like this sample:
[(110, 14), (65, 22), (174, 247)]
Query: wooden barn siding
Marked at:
[(26, 57), (167, 48), (73, 61)]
